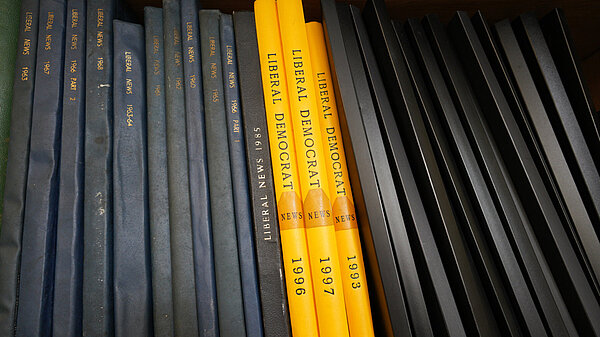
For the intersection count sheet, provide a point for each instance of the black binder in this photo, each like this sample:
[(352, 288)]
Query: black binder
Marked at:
[(549, 229), (452, 98), (363, 166), (558, 36), (556, 161), (579, 156), (481, 251)]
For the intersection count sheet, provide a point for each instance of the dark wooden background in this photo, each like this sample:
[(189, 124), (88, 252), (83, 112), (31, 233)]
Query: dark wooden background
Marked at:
[(583, 17)]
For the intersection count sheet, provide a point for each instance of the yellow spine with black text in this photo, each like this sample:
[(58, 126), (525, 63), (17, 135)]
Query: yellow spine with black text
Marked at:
[(320, 230), (285, 173), (356, 293)]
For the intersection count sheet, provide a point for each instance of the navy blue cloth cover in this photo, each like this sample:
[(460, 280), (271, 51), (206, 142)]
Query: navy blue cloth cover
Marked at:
[(17, 166), (68, 278), (227, 266), (160, 245), (132, 276), (182, 254), (34, 314), (239, 177), (98, 304), (206, 292)]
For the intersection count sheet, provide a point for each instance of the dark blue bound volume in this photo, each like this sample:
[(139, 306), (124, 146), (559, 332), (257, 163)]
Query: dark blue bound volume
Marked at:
[(227, 266), (275, 314), (160, 245), (17, 166), (206, 292), (68, 277), (132, 275), (239, 176), (182, 254), (34, 313), (98, 313)]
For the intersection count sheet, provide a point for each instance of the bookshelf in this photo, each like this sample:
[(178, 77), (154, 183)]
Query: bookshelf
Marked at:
[(582, 16)]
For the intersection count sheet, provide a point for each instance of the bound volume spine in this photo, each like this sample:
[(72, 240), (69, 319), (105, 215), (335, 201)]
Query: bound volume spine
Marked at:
[(158, 193), (314, 185), (296, 263), (182, 255), (227, 265), (239, 176), (34, 315), (275, 312), (98, 315), (206, 293), (356, 293), (68, 279), (133, 308), (17, 165)]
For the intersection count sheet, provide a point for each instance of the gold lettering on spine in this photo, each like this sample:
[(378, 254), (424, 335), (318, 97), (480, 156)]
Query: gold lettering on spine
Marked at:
[(191, 54), (73, 79), (128, 69), (213, 70), (74, 18), (99, 38), (155, 44), (74, 24), (156, 67), (236, 121), (48, 44), (229, 54), (176, 36), (231, 79), (212, 46), (49, 27), (26, 41), (73, 66), (100, 18), (128, 61), (25, 74), (100, 25), (74, 40), (155, 50), (193, 81), (50, 22), (178, 58), (129, 113), (28, 21), (189, 30), (26, 46)]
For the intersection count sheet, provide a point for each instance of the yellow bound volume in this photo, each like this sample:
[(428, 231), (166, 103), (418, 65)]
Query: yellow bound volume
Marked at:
[(320, 231), (285, 173), (354, 280)]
